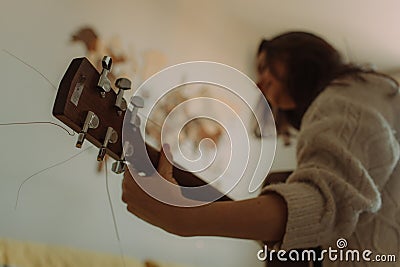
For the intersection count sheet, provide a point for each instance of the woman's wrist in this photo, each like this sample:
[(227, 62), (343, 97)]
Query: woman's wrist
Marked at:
[(261, 218)]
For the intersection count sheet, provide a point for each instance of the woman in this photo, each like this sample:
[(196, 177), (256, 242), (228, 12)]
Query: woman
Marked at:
[(347, 178)]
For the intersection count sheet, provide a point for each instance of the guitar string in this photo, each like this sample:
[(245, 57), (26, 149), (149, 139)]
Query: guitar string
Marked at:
[(70, 133), (113, 215), (41, 74), (64, 161), (44, 77), (44, 170), (150, 120), (30, 66)]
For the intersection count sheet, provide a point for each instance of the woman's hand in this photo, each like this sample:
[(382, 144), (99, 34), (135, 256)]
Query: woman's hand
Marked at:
[(260, 218), (146, 207)]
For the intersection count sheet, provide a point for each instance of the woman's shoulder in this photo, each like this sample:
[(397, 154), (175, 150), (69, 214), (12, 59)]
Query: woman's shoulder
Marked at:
[(369, 93), (364, 85)]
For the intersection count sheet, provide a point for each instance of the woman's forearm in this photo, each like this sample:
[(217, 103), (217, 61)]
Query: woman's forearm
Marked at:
[(261, 218)]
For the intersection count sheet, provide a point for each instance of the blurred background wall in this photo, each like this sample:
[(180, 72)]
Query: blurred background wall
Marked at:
[(68, 204)]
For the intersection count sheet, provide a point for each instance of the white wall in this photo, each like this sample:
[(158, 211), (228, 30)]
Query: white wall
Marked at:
[(68, 204)]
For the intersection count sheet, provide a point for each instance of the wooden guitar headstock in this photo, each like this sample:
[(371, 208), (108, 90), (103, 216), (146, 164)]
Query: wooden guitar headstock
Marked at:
[(78, 94), (86, 103)]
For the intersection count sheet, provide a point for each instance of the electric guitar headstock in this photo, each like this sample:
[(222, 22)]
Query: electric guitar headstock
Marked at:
[(87, 103)]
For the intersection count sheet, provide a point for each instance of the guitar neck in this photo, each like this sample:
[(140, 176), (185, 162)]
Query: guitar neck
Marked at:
[(78, 94)]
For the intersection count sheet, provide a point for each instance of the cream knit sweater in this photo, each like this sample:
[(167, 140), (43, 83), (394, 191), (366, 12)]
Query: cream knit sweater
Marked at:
[(347, 180)]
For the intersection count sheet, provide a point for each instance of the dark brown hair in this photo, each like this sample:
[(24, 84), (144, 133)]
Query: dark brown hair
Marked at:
[(311, 64)]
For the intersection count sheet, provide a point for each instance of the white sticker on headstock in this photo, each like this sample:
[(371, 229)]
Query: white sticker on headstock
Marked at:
[(76, 94)]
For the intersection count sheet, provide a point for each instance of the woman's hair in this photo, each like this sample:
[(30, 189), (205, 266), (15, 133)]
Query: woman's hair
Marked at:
[(311, 64)]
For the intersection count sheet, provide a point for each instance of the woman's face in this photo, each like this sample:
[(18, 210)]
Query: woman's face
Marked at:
[(273, 87)]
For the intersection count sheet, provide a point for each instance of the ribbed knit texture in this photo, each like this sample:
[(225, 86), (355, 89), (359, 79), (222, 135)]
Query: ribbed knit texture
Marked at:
[(347, 180)]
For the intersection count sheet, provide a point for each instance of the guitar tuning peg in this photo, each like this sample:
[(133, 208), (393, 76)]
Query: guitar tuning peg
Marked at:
[(106, 63), (135, 103), (91, 122), (119, 166), (122, 84), (110, 138), (104, 83)]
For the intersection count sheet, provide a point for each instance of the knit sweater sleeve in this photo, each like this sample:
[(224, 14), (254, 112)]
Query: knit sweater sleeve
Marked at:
[(345, 155)]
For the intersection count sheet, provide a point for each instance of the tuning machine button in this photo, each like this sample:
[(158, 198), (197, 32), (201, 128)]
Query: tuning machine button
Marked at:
[(122, 84), (104, 83), (119, 166), (110, 138), (91, 122), (135, 103)]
